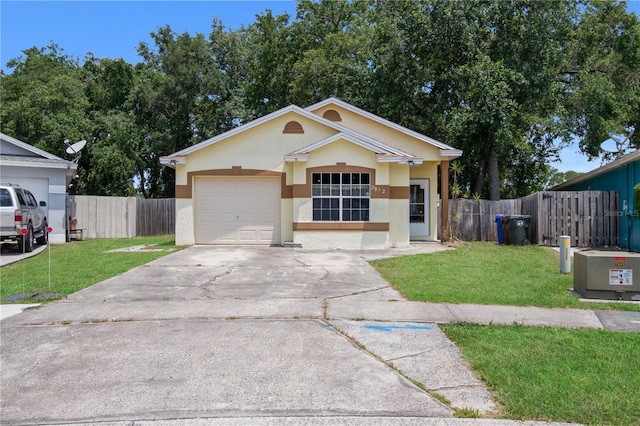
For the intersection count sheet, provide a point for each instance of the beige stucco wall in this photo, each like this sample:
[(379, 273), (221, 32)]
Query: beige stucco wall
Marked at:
[(342, 240), (383, 133), (184, 222), (344, 152), (286, 219), (262, 147)]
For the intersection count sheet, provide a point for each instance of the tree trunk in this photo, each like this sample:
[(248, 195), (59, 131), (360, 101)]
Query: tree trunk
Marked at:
[(494, 179), (478, 183)]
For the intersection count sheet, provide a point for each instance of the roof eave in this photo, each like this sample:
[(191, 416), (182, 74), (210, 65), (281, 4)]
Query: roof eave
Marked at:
[(41, 165), (411, 161), (451, 154), (172, 160), (634, 156), (294, 158)]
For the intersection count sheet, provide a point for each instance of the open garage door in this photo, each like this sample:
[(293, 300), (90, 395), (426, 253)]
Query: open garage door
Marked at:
[(237, 210)]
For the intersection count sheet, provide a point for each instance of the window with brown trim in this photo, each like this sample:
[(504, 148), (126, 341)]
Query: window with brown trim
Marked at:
[(340, 197)]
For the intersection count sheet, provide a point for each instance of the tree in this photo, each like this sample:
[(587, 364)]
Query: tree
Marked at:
[(603, 75), (179, 87), (43, 99), (555, 177), (108, 163), (499, 101), (266, 88)]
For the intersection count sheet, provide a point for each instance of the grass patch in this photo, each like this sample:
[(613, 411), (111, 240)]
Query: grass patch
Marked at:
[(487, 273), (78, 265), (585, 376)]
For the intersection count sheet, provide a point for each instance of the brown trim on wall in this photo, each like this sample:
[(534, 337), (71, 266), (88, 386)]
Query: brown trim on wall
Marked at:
[(341, 226), (305, 190), (186, 191), (301, 191), (183, 191), (380, 191), (399, 193)]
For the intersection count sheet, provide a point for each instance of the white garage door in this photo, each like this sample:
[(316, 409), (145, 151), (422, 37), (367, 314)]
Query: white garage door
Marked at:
[(39, 187), (237, 210)]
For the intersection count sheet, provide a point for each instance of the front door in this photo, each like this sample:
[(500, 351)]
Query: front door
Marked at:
[(419, 208)]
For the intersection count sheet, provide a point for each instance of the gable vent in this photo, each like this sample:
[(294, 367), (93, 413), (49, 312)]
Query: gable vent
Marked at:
[(332, 115), (293, 127)]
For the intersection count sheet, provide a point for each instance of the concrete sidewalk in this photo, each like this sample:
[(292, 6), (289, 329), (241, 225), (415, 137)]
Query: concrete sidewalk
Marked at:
[(9, 310), (444, 313)]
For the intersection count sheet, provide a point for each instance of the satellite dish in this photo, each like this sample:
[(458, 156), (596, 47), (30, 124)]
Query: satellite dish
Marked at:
[(76, 147), (617, 143), (609, 145)]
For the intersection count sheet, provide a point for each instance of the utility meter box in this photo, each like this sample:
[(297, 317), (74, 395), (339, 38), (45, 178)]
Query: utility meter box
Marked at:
[(609, 275)]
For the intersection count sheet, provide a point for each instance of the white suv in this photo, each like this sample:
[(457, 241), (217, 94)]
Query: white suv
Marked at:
[(19, 209)]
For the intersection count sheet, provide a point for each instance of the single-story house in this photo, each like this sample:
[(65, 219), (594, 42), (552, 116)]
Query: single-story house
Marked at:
[(45, 175), (620, 175), (327, 176)]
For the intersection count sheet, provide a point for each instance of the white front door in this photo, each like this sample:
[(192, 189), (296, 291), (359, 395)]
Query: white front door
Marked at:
[(419, 208)]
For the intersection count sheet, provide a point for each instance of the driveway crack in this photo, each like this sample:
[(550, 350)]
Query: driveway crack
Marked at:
[(209, 294), (407, 356), (359, 292)]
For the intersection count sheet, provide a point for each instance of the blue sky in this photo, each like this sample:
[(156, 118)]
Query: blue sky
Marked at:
[(114, 29)]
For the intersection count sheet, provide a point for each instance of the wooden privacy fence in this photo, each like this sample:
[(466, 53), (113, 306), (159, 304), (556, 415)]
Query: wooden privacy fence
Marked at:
[(588, 217), (474, 220), (121, 217)]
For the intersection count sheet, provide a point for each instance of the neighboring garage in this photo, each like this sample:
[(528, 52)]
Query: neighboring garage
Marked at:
[(45, 175), (39, 187), (237, 210)]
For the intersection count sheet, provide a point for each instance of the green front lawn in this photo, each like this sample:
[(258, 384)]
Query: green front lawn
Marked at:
[(585, 376), (487, 273), (78, 265)]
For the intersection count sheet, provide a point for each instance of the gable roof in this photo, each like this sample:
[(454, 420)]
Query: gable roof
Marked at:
[(33, 157), (247, 126), (29, 148), (385, 122), (624, 160), (351, 135), (384, 152)]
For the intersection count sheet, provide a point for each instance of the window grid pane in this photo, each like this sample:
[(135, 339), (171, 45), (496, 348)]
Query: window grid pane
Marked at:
[(340, 197)]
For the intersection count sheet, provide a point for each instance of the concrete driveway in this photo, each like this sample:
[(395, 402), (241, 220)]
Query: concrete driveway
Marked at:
[(229, 333)]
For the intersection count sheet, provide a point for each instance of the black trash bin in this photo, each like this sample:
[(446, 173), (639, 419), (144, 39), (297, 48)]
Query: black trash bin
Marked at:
[(518, 229)]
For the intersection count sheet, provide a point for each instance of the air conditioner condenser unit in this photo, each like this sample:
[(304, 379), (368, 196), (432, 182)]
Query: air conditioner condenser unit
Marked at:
[(609, 275)]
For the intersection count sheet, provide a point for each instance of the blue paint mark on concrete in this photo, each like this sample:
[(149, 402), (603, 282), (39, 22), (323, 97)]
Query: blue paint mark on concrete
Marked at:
[(631, 314), (397, 327)]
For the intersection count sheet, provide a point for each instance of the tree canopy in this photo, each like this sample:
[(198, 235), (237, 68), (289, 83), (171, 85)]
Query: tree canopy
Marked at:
[(510, 83)]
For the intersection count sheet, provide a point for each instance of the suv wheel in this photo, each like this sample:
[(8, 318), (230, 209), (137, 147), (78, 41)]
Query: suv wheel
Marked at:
[(26, 245), (44, 239)]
